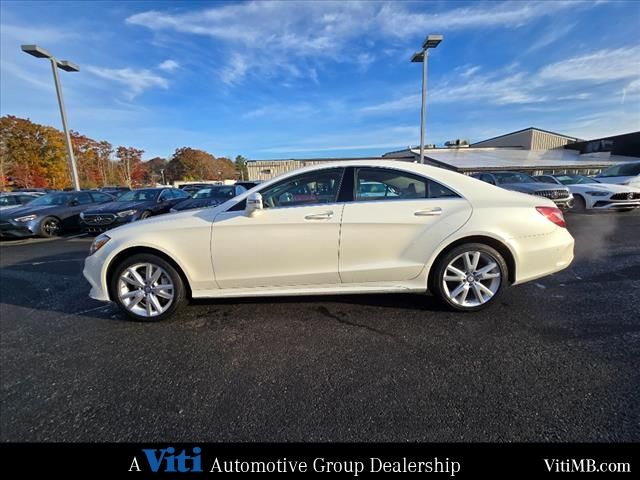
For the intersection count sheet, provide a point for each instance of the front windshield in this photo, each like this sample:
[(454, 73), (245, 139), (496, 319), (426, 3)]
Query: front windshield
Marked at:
[(216, 192), (513, 177), (622, 170), (138, 196), (575, 179), (52, 199)]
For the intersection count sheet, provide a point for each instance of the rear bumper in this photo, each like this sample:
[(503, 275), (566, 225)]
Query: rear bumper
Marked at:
[(542, 255)]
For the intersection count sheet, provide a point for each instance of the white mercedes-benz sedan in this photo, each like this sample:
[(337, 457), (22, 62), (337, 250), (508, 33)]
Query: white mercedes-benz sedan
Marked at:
[(379, 226)]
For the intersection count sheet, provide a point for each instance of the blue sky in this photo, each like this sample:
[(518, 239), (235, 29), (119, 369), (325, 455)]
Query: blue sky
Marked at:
[(322, 79)]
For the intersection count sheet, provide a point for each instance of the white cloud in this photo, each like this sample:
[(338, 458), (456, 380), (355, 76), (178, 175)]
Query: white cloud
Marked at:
[(312, 32), (600, 66), (566, 80), (169, 65), (135, 80), (555, 33)]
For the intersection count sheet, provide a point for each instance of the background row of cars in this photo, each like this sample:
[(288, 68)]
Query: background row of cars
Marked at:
[(50, 214), (616, 188), (39, 213)]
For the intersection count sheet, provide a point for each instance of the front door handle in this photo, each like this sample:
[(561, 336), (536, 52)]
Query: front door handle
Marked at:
[(319, 216), (429, 212)]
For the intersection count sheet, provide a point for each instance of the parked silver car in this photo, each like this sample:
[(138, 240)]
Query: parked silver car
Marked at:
[(521, 182)]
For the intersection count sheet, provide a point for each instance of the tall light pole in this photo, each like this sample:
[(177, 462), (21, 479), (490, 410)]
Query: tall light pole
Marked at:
[(67, 66), (422, 56)]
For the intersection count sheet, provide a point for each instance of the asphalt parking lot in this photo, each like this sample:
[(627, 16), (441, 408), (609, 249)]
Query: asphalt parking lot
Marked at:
[(556, 360)]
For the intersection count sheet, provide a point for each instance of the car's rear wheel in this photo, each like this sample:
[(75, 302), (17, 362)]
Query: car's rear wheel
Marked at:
[(579, 205), (469, 277), (147, 288), (50, 227)]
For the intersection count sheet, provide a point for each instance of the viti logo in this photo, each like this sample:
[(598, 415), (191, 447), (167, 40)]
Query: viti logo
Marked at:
[(167, 460)]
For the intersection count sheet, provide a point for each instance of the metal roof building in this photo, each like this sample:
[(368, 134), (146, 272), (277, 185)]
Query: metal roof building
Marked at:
[(530, 139), (536, 162), (531, 150)]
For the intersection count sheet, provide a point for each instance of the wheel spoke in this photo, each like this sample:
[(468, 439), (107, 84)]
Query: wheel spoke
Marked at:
[(486, 269), (156, 276), (155, 303), (474, 261), (477, 292), (131, 293), (457, 274), (135, 301), (465, 292), (148, 272), (485, 289), (457, 291), (149, 312), (468, 266), (162, 293), (488, 276)]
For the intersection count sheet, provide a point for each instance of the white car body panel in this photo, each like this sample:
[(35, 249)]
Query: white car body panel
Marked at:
[(383, 246)]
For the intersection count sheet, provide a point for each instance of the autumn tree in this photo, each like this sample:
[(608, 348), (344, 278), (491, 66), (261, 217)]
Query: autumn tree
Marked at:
[(132, 170), (155, 170), (241, 168)]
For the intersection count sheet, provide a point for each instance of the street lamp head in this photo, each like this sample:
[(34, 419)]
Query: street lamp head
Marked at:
[(36, 51), (417, 57), (68, 66), (432, 41)]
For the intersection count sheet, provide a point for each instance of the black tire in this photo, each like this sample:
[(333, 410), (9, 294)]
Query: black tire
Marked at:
[(436, 279), (179, 295), (50, 227), (145, 214), (579, 205)]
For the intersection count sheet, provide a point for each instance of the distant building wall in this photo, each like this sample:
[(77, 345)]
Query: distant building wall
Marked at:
[(518, 139), (546, 141), (268, 169)]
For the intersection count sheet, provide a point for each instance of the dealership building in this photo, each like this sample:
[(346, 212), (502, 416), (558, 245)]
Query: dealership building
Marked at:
[(531, 150)]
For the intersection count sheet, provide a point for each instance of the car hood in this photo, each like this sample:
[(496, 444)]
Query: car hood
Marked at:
[(183, 220), (198, 203), (533, 187), (115, 207), (29, 210), (602, 187)]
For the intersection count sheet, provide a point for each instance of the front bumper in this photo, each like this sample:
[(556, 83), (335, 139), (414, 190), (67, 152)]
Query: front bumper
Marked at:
[(93, 266), (13, 229), (615, 204), (90, 225), (564, 203)]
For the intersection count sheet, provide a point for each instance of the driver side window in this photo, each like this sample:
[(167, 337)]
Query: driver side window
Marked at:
[(311, 188)]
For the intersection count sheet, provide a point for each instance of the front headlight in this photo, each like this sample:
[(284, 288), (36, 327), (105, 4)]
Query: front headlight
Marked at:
[(598, 193), (127, 213), (26, 218), (99, 242)]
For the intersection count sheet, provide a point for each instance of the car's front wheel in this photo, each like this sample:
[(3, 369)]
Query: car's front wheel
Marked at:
[(469, 277), (50, 227), (147, 288)]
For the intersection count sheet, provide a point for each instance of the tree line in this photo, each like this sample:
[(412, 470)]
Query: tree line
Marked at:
[(35, 156)]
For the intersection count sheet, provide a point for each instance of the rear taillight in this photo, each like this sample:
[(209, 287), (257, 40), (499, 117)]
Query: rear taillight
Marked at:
[(553, 214)]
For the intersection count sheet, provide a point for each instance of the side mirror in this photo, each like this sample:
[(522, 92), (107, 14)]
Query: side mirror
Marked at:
[(254, 204)]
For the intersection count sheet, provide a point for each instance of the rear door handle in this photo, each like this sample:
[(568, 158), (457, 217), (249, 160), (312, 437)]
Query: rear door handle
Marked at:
[(319, 216), (429, 212)]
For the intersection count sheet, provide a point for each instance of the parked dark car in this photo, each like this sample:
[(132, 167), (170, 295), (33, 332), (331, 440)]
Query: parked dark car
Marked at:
[(521, 182), (115, 191), (14, 200), (247, 184), (50, 214), (131, 206), (210, 196), (192, 188)]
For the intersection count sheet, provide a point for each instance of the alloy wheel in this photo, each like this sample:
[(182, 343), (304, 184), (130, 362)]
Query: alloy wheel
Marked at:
[(471, 279), (145, 289), (51, 227)]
